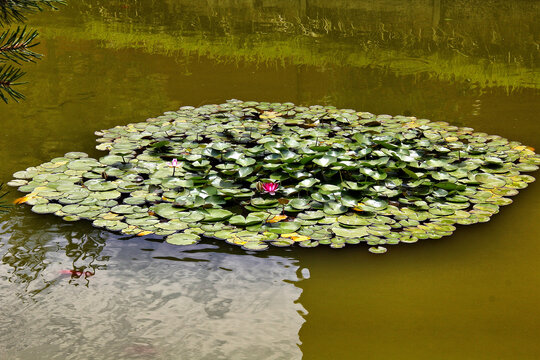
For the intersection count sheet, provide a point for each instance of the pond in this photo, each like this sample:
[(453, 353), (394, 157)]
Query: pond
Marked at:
[(71, 291)]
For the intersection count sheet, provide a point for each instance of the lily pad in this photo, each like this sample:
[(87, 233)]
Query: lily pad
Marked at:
[(334, 208), (357, 232), (490, 181), (48, 208), (353, 220), (377, 249), (239, 220), (183, 239), (212, 215), (255, 246), (283, 227), (83, 164)]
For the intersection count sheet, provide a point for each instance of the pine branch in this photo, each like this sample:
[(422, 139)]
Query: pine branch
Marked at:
[(9, 13), (14, 10), (15, 45), (9, 76)]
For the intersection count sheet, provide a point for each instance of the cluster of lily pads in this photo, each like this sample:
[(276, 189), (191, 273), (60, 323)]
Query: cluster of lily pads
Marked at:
[(257, 173)]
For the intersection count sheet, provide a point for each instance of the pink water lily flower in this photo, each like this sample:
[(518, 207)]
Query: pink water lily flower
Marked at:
[(174, 164), (269, 187)]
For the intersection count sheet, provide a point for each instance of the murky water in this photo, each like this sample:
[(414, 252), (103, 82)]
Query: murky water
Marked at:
[(473, 295)]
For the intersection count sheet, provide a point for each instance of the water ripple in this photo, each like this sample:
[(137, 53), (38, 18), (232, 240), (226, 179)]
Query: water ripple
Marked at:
[(72, 292)]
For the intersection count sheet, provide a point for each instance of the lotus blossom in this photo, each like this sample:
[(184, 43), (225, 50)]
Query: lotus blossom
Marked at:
[(269, 187)]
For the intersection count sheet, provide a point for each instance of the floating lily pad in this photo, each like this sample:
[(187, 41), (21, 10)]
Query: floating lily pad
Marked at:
[(377, 249), (48, 208), (264, 203), (255, 245), (124, 209), (76, 155), (357, 232), (353, 220), (191, 217), (311, 215), (17, 182), (100, 185), (167, 210), (212, 215), (75, 209), (299, 204), (105, 195), (172, 225), (334, 208), (490, 181), (71, 218), (283, 227), (135, 200), (283, 242), (524, 167), (307, 183), (309, 243), (83, 164), (250, 219), (183, 239)]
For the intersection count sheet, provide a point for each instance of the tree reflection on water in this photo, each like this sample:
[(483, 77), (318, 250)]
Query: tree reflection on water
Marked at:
[(147, 297), (31, 250)]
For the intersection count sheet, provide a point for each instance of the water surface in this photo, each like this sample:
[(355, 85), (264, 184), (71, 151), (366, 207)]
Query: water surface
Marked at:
[(472, 295)]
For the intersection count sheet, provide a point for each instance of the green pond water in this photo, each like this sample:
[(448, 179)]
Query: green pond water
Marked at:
[(473, 295)]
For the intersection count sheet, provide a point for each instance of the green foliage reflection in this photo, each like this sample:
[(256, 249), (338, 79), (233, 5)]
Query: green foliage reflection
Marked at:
[(484, 44)]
